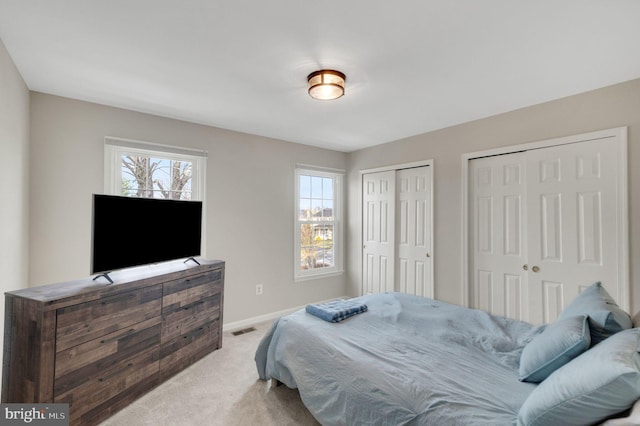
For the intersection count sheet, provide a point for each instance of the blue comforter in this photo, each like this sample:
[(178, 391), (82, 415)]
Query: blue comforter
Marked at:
[(407, 361)]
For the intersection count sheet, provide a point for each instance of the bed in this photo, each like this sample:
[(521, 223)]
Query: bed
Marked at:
[(410, 360)]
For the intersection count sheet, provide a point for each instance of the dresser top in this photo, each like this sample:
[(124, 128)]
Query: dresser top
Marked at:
[(58, 295)]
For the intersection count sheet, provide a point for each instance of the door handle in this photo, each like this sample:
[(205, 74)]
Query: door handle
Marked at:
[(428, 254), (525, 267), (535, 269)]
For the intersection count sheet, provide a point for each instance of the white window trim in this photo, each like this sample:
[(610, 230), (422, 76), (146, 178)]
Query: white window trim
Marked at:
[(115, 147), (338, 243)]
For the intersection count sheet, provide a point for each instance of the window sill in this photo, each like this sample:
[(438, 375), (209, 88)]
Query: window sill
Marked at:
[(318, 276)]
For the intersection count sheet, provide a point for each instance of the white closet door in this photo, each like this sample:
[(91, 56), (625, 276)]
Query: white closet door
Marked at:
[(378, 230), (572, 224), (498, 237), (413, 232), (544, 224)]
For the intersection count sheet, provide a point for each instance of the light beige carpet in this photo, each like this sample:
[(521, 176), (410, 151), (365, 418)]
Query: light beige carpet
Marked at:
[(221, 389)]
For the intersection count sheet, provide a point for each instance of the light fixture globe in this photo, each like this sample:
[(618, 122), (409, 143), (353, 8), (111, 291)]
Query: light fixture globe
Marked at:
[(326, 84)]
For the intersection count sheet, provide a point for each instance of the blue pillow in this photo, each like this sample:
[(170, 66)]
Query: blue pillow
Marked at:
[(605, 316), (558, 344), (601, 382)]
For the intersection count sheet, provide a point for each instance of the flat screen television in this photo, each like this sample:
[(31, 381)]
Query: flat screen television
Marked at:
[(129, 231)]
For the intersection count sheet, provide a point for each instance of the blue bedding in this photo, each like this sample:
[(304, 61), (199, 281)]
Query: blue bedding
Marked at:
[(406, 361)]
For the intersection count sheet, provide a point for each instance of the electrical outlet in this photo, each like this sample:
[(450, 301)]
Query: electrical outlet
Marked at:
[(258, 289)]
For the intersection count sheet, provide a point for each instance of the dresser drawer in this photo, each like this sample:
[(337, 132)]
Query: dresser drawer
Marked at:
[(74, 365), (95, 397), (191, 320), (184, 292), (88, 321), (180, 319), (187, 348), (108, 371)]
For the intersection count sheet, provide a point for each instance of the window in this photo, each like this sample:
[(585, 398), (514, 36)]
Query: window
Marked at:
[(140, 169), (318, 241)]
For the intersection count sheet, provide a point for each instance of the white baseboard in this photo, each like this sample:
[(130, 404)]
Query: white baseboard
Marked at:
[(236, 325)]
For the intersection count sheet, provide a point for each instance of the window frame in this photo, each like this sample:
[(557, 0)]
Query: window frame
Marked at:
[(115, 148), (338, 220)]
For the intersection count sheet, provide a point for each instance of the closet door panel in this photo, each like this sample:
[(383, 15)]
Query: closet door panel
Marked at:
[(413, 187), (378, 230), (572, 203), (498, 238)]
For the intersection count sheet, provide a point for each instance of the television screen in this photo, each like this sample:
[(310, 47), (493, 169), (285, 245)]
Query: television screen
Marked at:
[(129, 231)]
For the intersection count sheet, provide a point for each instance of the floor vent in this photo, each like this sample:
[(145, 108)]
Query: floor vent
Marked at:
[(243, 331)]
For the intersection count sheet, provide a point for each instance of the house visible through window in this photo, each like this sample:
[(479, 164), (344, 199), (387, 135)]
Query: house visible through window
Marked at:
[(318, 220)]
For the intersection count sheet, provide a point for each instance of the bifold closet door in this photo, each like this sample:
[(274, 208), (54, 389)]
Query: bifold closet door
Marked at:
[(378, 231), (572, 221), (413, 232), (543, 226), (497, 191), (397, 228)]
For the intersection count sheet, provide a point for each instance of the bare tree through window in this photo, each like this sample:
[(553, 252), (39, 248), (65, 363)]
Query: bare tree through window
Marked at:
[(150, 177)]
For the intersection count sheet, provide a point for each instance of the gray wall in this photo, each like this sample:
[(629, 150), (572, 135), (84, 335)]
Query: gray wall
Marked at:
[(605, 108), (55, 150), (250, 197), (14, 178)]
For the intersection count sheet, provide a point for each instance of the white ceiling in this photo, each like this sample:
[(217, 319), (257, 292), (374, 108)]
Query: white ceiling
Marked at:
[(412, 66)]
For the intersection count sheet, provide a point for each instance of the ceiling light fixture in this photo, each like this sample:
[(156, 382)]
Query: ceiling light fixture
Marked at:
[(326, 84)]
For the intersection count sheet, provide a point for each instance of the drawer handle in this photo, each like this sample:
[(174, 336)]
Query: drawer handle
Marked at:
[(186, 308), (115, 373), (131, 330), (128, 295)]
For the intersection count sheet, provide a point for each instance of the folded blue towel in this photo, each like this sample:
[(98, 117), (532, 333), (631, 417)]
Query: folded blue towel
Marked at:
[(336, 310)]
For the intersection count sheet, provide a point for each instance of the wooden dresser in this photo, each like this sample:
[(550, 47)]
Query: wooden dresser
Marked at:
[(99, 346)]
